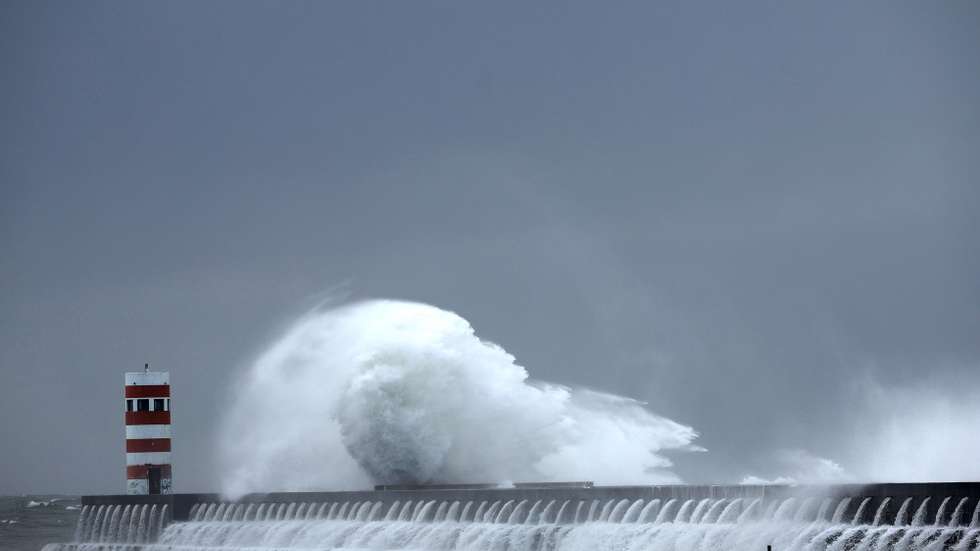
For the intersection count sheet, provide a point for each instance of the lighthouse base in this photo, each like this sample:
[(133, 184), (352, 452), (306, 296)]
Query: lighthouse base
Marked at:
[(144, 480)]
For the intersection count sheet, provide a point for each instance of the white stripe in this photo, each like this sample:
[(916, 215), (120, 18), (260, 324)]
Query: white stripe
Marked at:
[(153, 458), (150, 397), (148, 378), (147, 431)]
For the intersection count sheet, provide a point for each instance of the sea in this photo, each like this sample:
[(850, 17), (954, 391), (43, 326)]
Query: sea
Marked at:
[(805, 522), (29, 522)]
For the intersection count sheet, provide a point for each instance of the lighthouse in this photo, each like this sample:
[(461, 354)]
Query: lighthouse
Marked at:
[(148, 468)]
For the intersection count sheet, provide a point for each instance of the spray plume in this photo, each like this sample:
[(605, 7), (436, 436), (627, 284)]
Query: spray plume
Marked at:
[(398, 392)]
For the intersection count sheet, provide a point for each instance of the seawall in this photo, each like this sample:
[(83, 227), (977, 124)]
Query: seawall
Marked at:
[(179, 505)]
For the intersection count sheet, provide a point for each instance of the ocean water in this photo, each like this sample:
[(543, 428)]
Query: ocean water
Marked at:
[(413, 395), (29, 522), (797, 523)]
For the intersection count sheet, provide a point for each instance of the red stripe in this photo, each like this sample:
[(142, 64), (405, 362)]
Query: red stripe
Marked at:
[(147, 391), (138, 472), (141, 445), (147, 417)]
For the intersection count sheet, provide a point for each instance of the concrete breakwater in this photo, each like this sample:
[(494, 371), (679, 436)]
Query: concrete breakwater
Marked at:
[(867, 501), (544, 517)]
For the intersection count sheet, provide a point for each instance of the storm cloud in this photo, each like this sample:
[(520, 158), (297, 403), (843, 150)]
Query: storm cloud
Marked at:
[(760, 219)]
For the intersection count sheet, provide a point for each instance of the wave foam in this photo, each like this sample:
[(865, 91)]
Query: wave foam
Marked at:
[(396, 392)]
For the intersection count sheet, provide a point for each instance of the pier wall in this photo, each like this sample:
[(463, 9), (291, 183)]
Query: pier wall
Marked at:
[(181, 504)]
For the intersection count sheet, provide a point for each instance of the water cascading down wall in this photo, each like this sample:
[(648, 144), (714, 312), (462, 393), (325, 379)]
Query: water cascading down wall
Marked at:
[(877, 517)]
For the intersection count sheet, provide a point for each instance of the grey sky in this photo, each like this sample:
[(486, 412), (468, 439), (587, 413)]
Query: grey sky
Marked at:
[(732, 211)]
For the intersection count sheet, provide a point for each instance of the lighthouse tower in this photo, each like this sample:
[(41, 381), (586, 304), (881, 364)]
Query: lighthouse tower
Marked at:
[(148, 432)]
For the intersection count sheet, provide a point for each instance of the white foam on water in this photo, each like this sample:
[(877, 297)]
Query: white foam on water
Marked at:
[(399, 392), (795, 525)]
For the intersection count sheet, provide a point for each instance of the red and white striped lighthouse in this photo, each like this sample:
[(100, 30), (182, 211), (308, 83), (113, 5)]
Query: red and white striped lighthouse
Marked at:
[(148, 468)]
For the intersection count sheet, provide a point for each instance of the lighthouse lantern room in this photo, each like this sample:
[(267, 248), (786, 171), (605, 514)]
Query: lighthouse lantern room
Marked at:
[(148, 468)]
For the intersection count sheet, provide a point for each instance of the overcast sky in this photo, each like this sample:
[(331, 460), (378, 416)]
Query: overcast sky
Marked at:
[(753, 216)]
